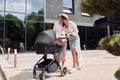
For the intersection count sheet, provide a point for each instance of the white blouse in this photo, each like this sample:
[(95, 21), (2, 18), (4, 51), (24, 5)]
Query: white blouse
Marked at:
[(58, 30), (72, 28)]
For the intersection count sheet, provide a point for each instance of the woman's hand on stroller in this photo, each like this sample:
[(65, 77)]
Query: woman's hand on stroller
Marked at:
[(59, 41)]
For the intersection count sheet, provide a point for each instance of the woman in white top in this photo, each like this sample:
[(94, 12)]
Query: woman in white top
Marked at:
[(71, 31), (59, 34)]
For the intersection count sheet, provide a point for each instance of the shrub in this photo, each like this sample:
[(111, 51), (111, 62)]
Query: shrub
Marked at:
[(111, 44), (117, 74)]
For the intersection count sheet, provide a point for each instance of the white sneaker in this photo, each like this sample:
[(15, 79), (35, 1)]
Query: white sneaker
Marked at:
[(72, 70), (78, 68)]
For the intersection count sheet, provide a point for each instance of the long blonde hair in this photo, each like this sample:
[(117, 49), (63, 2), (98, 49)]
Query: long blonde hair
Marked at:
[(64, 18)]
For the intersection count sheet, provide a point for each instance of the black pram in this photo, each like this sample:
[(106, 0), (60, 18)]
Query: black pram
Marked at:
[(46, 44)]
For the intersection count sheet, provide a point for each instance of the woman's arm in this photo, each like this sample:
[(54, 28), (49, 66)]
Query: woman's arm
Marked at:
[(75, 29)]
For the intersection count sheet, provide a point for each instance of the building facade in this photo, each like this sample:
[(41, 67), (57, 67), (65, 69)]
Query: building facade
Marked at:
[(16, 17), (22, 22), (88, 33)]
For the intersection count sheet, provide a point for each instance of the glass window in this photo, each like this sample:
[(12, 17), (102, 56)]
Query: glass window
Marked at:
[(1, 13), (68, 6), (39, 16), (18, 15), (86, 14), (1, 4), (1, 27), (34, 6), (15, 6)]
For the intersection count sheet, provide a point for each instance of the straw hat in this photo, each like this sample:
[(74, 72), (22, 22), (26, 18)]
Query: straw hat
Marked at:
[(65, 15)]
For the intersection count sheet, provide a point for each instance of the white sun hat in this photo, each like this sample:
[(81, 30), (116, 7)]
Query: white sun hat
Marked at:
[(65, 15)]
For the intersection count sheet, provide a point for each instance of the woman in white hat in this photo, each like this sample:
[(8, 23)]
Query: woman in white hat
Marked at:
[(71, 31)]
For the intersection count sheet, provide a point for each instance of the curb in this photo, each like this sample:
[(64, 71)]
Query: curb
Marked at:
[(2, 73), (3, 65)]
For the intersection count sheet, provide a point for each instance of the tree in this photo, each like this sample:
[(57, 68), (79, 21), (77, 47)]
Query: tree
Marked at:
[(110, 9), (102, 7), (34, 24), (14, 30)]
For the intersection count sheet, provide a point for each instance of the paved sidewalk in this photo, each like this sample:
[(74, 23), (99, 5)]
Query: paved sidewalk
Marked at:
[(95, 65), (1, 75)]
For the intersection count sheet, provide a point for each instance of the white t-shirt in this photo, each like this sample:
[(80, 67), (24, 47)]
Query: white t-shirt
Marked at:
[(59, 31)]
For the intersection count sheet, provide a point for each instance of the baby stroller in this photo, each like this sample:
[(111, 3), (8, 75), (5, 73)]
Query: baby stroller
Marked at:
[(46, 44)]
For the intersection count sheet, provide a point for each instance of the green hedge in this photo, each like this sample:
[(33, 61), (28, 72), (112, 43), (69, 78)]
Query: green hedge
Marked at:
[(111, 44), (117, 74)]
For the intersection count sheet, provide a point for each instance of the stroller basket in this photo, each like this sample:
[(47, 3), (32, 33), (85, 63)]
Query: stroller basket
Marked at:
[(48, 48), (51, 68)]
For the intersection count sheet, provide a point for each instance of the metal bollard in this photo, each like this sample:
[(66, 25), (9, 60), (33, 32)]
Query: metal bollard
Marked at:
[(84, 47), (8, 53), (2, 50), (15, 58)]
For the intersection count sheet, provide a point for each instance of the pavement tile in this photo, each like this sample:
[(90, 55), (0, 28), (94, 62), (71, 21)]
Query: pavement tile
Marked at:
[(95, 65)]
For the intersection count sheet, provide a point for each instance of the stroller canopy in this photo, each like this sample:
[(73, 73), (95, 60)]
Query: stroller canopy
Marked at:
[(46, 37)]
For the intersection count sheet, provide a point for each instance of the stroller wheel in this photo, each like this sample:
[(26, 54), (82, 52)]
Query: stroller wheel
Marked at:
[(41, 77), (64, 71)]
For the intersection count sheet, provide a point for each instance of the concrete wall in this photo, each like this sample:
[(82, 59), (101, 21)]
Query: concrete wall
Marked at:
[(53, 7)]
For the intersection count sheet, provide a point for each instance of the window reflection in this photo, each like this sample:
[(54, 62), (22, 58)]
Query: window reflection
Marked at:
[(1, 4), (34, 6), (1, 13), (67, 3), (37, 17), (18, 15), (1, 27), (16, 5), (16, 10), (68, 6)]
